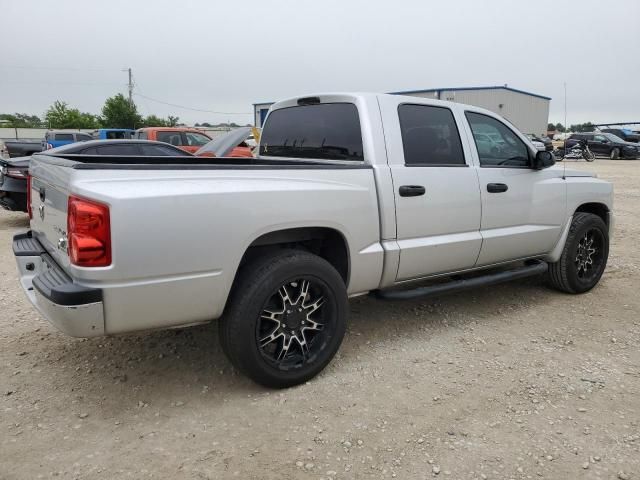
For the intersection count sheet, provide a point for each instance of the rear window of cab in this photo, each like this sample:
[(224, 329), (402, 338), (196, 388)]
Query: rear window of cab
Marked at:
[(328, 131)]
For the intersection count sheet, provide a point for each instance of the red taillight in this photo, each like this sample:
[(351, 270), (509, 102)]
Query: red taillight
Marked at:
[(29, 211), (88, 233)]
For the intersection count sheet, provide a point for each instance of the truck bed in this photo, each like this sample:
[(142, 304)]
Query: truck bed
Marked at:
[(113, 162), (184, 224)]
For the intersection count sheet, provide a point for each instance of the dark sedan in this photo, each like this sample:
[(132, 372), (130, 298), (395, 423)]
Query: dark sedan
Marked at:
[(14, 172), (605, 144)]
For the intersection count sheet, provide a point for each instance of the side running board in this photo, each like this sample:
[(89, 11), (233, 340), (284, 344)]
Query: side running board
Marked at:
[(454, 286)]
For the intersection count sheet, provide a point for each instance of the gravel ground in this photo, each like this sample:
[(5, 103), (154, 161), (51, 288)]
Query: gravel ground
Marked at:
[(514, 381)]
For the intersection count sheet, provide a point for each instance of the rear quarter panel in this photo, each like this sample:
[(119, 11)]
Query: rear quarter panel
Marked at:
[(178, 236)]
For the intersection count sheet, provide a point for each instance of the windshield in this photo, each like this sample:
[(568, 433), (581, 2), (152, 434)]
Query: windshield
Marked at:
[(64, 148), (224, 144), (613, 138)]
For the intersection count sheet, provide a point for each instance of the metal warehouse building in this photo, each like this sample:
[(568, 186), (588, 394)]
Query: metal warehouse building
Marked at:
[(527, 111)]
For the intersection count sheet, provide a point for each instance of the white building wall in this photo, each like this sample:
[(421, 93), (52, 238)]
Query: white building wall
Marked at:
[(430, 94), (528, 113), (257, 112)]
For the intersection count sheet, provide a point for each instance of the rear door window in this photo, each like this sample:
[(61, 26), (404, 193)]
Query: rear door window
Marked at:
[(430, 136), (118, 149), (161, 151), (82, 137), (64, 137), (328, 131), (174, 138), (196, 139), (117, 135)]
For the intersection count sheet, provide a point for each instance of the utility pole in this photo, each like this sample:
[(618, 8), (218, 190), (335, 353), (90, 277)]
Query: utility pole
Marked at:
[(130, 85)]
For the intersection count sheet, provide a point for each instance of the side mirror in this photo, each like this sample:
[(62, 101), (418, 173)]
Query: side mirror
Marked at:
[(543, 160)]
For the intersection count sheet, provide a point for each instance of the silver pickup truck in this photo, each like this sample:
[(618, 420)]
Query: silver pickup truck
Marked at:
[(351, 194)]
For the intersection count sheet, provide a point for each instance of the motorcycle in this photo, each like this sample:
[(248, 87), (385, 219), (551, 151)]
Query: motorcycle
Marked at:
[(577, 151)]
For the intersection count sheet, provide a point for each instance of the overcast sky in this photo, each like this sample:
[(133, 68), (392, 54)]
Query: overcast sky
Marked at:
[(224, 56)]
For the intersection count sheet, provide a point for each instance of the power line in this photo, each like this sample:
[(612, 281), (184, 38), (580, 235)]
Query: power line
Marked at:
[(190, 108), (74, 69)]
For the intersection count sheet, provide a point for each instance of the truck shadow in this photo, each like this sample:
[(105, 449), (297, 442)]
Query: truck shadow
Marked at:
[(171, 364), (13, 220)]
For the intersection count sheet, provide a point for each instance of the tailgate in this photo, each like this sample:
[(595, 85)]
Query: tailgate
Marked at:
[(49, 196)]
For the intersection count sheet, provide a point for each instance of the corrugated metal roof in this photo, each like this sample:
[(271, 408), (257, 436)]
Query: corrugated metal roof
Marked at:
[(453, 89)]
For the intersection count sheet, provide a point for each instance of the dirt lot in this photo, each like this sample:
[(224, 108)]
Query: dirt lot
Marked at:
[(515, 381)]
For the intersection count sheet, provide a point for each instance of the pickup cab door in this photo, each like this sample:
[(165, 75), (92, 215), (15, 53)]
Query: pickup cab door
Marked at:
[(523, 210), (435, 188)]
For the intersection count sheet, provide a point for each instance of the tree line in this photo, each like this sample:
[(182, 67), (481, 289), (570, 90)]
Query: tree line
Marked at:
[(578, 127), (117, 112)]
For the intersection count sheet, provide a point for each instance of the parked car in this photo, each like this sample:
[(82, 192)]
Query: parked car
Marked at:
[(623, 133), (13, 183), (231, 144), (4, 151), (546, 141), (13, 173), (23, 148), (487, 144), (351, 193), (55, 138), (113, 134), (539, 145), (605, 144), (188, 139)]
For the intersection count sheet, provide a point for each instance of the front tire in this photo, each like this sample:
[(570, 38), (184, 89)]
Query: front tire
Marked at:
[(286, 318), (584, 256), (615, 154), (589, 156)]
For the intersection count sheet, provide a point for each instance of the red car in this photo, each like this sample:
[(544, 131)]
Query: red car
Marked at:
[(187, 139)]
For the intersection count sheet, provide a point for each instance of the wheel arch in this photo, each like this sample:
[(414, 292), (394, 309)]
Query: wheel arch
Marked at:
[(326, 242), (596, 208)]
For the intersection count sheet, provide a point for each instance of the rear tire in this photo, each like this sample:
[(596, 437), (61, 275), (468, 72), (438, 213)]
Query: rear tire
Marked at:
[(584, 256), (614, 154), (286, 318)]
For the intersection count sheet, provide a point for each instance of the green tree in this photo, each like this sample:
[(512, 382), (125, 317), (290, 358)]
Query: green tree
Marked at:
[(20, 120), (154, 121), (117, 112), (582, 127), (560, 128), (59, 115), (172, 121)]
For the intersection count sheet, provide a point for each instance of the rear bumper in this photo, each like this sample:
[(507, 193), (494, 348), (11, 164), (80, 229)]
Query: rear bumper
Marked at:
[(76, 310)]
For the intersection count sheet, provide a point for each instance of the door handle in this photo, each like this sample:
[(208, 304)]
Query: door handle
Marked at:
[(411, 190), (497, 187)]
